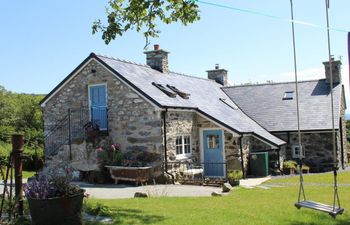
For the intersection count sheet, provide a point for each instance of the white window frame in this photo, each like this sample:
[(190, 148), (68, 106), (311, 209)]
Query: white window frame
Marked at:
[(183, 154), (294, 154)]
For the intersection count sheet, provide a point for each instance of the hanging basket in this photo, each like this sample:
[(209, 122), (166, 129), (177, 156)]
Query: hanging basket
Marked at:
[(57, 211)]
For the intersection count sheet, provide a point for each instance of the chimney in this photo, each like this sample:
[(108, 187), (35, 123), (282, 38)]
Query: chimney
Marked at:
[(158, 59), (336, 71), (219, 75)]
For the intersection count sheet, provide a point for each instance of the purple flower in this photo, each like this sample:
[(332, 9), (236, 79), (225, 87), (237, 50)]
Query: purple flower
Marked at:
[(39, 189)]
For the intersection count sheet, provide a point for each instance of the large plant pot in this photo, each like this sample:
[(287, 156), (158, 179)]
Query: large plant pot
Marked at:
[(57, 211), (233, 182)]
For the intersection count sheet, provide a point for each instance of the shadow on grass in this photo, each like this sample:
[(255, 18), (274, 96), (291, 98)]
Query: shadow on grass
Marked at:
[(131, 216), (340, 220), (135, 216), (337, 222)]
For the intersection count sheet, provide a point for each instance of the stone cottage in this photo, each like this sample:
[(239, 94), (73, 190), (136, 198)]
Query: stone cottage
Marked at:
[(273, 106), (175, 117)]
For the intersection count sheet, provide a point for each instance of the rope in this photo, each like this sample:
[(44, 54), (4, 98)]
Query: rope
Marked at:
[(335, 197), (271, 16), (301, 180)]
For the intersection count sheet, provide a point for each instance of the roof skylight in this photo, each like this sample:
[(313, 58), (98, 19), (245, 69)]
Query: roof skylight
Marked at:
[(177, 91), (165, 90), (288, 95)]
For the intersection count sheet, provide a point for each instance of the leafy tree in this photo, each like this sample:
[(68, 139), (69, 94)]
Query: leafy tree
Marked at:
[(142, 15), (20, 113)]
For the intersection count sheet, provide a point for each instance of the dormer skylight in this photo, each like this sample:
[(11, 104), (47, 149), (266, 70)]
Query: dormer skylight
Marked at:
[(228, 103), (165, 90), (177, 91), (288, 95)]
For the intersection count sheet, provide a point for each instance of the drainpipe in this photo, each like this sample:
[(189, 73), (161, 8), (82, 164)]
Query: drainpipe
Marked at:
[(165, 147), (242, 160)]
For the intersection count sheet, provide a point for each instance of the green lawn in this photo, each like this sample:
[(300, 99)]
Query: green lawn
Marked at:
[(26, 174), (241, 206)]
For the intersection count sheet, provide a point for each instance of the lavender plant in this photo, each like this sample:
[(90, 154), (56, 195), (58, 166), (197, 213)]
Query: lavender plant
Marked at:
[(44, 188), (40, 188)]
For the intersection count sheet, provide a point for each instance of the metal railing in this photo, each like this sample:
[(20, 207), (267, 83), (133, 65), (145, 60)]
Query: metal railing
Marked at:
[(198, 172), (71, 127)]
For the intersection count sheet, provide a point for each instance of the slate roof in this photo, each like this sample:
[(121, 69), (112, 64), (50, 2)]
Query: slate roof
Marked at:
[(264, 103), (204, 96)]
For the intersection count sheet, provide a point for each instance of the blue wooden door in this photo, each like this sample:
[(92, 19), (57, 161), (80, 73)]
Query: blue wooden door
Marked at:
[(98, 104), (213, 153)]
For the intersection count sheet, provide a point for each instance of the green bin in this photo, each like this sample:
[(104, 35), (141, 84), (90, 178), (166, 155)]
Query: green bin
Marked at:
[(259, 164)]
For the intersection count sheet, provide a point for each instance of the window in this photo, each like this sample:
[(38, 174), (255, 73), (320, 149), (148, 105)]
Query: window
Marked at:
[(165, 90), (213, 141), (288, 95), (177, 91), (183, 145), (296, 149)]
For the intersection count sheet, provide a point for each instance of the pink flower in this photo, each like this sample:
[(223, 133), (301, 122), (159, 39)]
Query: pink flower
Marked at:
[(99, 149), (113, 147)]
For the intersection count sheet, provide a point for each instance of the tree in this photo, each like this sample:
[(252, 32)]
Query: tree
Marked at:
[(142, 15)]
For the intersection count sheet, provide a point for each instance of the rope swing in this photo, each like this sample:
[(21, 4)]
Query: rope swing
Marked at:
[(335, 209)]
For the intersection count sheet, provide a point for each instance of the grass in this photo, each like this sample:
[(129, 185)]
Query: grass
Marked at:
[(242, 206), (27, 174)]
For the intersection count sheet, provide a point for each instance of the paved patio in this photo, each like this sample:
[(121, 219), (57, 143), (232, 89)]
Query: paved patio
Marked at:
[(120, 191)]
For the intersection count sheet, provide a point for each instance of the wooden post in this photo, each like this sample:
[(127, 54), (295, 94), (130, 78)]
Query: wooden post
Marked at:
[(17, 150)]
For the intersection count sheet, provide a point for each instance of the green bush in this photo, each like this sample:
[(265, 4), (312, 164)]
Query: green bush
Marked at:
[(97, 209), (290, 164), (235, 175)]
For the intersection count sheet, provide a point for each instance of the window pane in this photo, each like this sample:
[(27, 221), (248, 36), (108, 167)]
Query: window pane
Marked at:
[(187, 149), (213, 141), (288, 95), (187, 139), (178, 150), (179, 140)]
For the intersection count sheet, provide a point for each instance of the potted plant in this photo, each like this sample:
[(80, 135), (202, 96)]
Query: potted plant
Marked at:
[(91, 130), (54, 201), (234, 177), (289, 167)]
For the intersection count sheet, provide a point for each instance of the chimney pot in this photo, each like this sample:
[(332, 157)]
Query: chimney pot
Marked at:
[(157, 59), (218, 75), (336, 71)]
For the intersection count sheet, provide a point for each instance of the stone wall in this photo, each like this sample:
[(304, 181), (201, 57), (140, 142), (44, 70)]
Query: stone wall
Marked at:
[(232, 151), (132, 122), (182, 123), (317, 146)]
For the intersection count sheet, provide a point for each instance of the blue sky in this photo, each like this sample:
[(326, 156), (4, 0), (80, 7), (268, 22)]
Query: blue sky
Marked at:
[(42, 41)]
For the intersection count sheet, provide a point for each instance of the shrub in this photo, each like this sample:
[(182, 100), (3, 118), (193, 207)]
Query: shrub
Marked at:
[(235, 175), (110, 156), (97, 209), (290, 164)]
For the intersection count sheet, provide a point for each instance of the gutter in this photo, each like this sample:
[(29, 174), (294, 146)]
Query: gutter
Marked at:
[(165, 147)]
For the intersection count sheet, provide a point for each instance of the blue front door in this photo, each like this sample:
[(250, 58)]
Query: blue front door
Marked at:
[(213, 153), (98, 104)]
